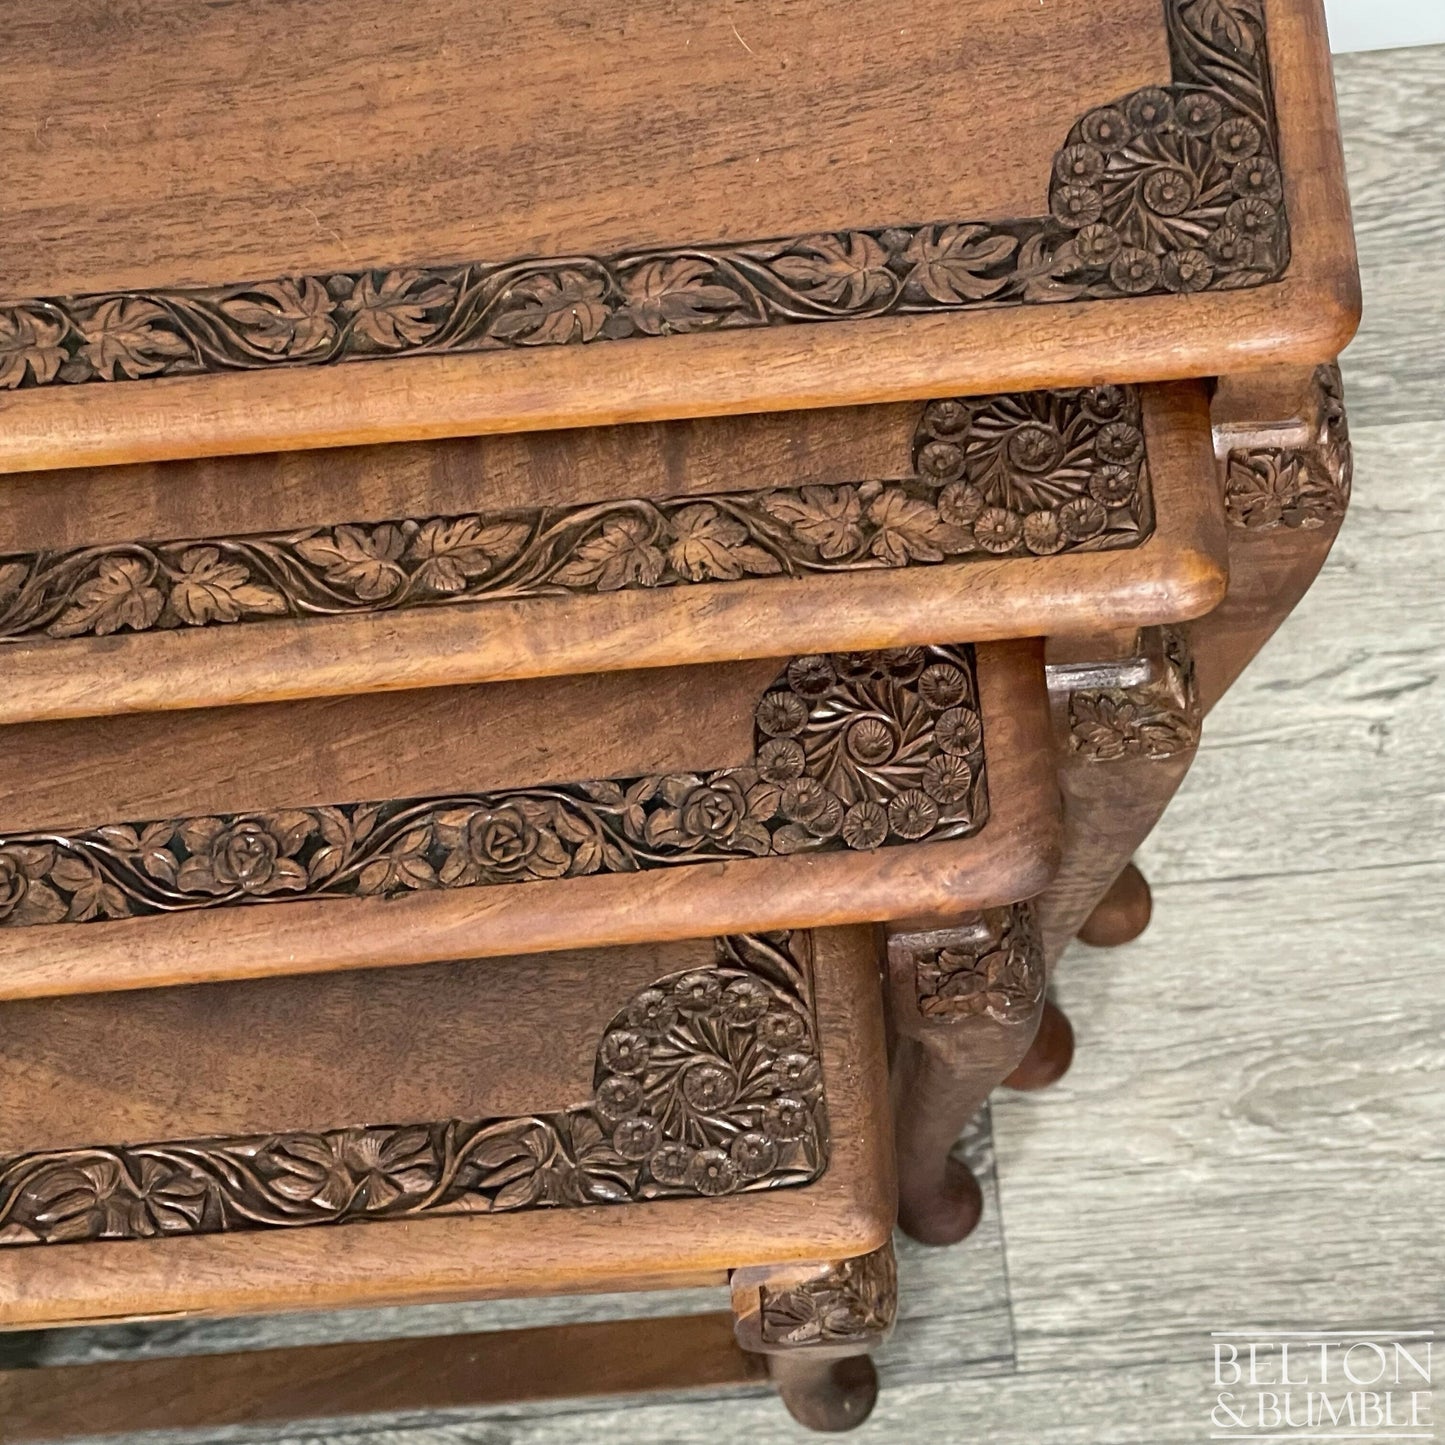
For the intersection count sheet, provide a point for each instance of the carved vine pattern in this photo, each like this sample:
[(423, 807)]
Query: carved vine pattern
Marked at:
[(994, 969), (1170, 189), (855, 1301), (1157, 719), (1271, 487), (708, 1083), (853, 750), (1028, 474)]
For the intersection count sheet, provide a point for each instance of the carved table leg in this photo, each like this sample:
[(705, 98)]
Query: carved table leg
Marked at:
[(816, 1324), (1124, 750), (1286, 488), (966, 1000)]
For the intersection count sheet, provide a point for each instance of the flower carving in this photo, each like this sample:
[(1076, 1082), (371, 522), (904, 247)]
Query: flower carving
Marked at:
[(1157, 719), (990, 965), (857, 751), (853, 1301), (251, 855), (706, 1083)]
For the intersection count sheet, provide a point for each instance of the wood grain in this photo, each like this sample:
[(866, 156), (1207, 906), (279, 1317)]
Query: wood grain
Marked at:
[(455, 1372), (467, 1040), (1306, 317), (849, 1211), (1176, 573), (1011, 856)]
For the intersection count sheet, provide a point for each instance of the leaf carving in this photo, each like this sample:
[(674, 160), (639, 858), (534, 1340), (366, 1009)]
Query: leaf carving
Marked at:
[(119, 594), (395, 311), (552, 309), (621, 554), (360, 561), (949, 262), (847, 271), (676, 295), (290, 317), (210, 590)]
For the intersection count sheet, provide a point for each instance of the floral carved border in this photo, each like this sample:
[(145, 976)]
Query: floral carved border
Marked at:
[(1172, 189), (708, 1083), (854, 1302), (1270, 487), (1158, 719), (1030, 474), (851, 751), (991, 965)]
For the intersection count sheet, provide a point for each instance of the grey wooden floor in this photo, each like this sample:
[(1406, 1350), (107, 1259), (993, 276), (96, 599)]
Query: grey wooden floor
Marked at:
[(1254, 1131)]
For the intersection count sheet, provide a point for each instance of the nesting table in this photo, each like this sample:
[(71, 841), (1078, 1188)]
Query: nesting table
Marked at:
[(588, 601)]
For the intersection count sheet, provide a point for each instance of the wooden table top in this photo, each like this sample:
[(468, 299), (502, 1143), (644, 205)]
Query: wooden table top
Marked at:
[(232, 231)]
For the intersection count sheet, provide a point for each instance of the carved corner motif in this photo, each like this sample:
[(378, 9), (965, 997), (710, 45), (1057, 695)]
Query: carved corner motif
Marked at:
[(708, 1083), (1038, 473), (1172, 189), (851, 751), (851, 1304), (991, 965), (1011, 475), (1271, 487), (1157, 719)]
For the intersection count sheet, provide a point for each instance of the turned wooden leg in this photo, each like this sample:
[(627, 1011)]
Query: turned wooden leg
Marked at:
[(816, 1324), (966, 1000)]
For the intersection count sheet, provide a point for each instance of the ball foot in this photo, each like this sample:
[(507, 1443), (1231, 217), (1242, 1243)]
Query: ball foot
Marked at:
[(1122, 914), (1049, 1056), (830, 1395), (945, 1215)]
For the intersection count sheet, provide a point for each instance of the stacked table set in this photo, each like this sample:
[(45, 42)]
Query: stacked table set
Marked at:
[(587, 605)]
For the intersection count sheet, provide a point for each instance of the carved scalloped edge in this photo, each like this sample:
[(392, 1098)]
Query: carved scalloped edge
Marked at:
[(707, 1083), (1172, 189)]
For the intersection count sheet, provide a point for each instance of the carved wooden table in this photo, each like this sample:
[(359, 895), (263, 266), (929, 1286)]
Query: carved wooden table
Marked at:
[(639, 1118), (507, 531)]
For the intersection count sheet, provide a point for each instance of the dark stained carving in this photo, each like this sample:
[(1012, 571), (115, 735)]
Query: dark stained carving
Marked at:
[(1157, 719), (1171, 189), (1031, 474), (991, 965), (854, 1302), (1035, 473), (1305, 487), (853, 750), (707, 1083), (1028, 474)]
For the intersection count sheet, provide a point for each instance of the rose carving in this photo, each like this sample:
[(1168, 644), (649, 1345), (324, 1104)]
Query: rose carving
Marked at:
[(253, 855), (504, 844), (25, 897)]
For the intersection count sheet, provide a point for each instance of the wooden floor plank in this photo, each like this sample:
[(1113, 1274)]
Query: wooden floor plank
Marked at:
[(1390, 105)]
